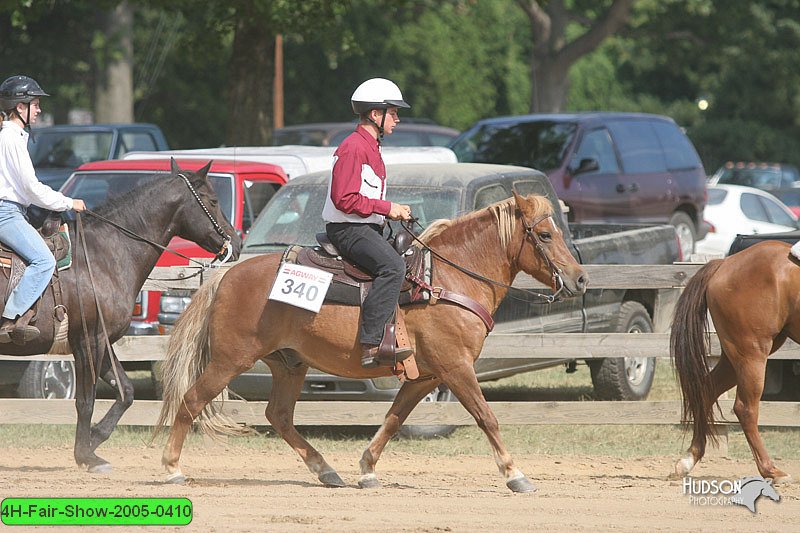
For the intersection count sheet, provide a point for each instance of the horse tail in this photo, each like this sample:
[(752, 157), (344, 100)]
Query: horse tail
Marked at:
[(689, 345), (188, 354)]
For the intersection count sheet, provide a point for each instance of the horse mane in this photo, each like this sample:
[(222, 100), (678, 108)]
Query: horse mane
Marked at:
[(502, 212)]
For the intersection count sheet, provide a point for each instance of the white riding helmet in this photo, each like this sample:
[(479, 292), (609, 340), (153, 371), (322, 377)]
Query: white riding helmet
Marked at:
[(377, 93)]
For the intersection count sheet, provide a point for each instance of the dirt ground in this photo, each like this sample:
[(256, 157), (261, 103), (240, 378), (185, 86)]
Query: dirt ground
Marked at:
[(249, 490)]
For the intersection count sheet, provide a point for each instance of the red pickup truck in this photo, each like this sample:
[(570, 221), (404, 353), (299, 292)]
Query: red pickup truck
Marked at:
[(243, 188)]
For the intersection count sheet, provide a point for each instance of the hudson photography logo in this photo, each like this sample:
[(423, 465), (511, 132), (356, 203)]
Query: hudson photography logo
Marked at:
[(722, 492)]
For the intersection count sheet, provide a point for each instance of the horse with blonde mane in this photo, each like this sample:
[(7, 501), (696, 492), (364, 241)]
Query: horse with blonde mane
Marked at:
[(231, 323)]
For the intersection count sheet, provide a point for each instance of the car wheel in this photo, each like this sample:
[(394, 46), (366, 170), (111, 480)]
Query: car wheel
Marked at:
[(625, 378), (48, 380), (684, 228), (439, 394)]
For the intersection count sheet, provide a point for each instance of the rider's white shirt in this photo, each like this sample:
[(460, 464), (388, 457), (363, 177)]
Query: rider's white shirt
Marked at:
[(18, 181)]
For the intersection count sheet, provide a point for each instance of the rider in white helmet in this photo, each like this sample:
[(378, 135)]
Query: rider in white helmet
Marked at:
[(356, 208), (19, 188)]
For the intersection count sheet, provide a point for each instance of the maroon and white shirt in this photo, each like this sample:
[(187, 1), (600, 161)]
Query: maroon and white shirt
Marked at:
[(357, 188)]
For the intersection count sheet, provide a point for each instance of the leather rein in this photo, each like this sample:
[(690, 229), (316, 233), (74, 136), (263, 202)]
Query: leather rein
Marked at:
[(82, 241)]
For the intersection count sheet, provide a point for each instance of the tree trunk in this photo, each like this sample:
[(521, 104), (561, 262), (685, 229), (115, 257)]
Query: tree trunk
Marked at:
[(552, 55), (114, 86), (250, 81)]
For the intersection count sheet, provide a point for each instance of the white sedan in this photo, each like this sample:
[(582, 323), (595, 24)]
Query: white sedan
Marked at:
[(735, 209)]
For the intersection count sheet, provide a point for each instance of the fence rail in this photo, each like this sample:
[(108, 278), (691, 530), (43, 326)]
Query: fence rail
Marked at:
[(667, 279)]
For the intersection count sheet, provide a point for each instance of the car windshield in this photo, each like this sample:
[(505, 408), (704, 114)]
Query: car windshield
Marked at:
[(68, 149), (97, 188), (539, 144), (294, 215), (766, 179)]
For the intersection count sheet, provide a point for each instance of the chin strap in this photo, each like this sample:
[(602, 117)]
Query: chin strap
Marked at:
[(379, 126)]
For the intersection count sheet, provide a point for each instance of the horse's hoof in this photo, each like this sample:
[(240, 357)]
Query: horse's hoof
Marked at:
[(783, 479), (102, 468), (521, 484), (176, 479), (331, 479), (369, 481)]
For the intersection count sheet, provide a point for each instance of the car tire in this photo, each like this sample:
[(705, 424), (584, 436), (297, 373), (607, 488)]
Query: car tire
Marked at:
[(51, 380), (687, 236), (625, 378), (439, 394)]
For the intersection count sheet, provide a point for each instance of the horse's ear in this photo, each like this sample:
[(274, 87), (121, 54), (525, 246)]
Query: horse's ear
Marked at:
[(522, 205), (173, 166), (203, 172)]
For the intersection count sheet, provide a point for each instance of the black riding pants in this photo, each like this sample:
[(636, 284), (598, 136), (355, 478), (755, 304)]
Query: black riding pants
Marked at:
[(364, 244)]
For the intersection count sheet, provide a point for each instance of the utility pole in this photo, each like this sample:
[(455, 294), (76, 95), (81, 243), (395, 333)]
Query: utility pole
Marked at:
[(277, 93)]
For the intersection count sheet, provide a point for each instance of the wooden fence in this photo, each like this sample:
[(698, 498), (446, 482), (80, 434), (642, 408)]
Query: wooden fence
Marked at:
[(667, 279)]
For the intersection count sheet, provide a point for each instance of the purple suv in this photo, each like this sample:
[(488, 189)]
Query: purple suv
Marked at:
[(607, 167)]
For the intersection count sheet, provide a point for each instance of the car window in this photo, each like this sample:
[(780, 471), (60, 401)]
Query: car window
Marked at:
[(776, 214), (439, 139), (68, 149), (405, 138), (294, 215), (597, 145), (539, 144), (753, 208), (489, 195), (679, 153), (639, 148), (790, 176), (716, 196), (97, 188), (256, 196), (135, 142), (766, 179)]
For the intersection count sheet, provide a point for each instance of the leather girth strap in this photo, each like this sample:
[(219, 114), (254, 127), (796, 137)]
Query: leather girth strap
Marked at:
[(406, 369)]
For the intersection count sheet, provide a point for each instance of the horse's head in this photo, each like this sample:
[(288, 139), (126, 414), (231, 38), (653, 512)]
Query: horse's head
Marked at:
[(542, 252), (200, 218)]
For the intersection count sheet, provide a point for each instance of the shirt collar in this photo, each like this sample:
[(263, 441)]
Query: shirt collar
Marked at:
[(11, 125), (367, 136)]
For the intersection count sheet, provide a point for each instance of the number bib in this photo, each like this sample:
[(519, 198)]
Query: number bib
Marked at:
[(301, 286)]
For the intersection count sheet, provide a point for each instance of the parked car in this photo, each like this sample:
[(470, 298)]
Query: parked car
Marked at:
[(790, 198), (408, 133), (607, 167), (58, 150), (734, 210), (243, 188), (298, 160), (446, 191), (782, 379), (764, 176)]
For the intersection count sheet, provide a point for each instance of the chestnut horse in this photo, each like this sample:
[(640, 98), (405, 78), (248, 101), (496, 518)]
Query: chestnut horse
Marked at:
[(754, 300), (230, 324)]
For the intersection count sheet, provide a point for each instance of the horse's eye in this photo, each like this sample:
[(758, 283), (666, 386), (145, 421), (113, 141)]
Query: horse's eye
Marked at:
[(546, 236)]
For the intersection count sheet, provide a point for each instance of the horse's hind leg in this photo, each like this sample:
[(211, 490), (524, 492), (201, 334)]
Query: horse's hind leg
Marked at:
[(103, 429), (286, 385), (409, 395), (208, 386), (750, 386), (721, 379), (464, 384)]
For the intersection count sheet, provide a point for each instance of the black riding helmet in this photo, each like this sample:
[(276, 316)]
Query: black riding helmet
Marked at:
[(19, 90)]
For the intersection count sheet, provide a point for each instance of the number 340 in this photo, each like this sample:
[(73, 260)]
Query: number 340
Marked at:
[(301, 290)]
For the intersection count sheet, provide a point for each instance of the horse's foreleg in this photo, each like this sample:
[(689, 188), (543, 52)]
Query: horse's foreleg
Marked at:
[(286, 386), (85, 395), (409, 395), (464, 384), (750, 386), (103, 429), (721, 379)]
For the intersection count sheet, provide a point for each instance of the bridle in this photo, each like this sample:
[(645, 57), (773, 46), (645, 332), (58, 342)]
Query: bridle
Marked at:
[(226, 245), (555, 272)]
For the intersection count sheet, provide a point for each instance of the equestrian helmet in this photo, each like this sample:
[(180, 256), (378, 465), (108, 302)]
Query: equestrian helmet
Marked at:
[(19, 89), (377, 93)]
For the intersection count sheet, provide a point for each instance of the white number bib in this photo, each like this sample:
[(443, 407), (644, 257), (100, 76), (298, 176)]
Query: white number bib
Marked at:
[(301, 286)]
